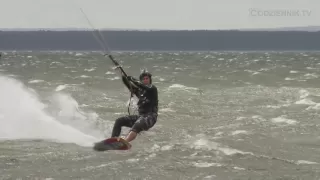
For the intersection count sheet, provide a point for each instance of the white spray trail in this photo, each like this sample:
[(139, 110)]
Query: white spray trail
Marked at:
[(23, 116)]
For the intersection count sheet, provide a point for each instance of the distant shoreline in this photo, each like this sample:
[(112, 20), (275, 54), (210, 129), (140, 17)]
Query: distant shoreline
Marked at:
[(157, 52), (161, 40)]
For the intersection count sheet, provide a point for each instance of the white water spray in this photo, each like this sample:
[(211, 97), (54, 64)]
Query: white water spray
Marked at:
[(23, 116)]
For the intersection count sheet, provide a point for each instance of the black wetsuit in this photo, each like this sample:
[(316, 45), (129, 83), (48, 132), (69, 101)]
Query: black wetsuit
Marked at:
[(148, 108)]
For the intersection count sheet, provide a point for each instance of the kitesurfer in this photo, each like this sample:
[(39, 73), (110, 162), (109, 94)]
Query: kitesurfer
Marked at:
[(147, 93)]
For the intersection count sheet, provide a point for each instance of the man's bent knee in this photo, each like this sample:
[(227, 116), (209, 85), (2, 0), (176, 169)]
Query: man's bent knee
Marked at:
[(144, 123), (124, 121), (119, 121)]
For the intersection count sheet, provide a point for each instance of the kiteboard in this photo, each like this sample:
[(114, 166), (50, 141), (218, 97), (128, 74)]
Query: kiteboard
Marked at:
[(114, 143)]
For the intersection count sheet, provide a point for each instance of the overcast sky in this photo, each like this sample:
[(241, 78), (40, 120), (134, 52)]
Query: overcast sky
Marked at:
[(159, 14)]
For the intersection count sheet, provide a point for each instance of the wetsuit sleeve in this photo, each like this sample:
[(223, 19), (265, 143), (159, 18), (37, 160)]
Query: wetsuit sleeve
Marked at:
[(128, 84)]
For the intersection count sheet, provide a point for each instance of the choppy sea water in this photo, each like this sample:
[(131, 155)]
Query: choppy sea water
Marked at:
[(223, 115)]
